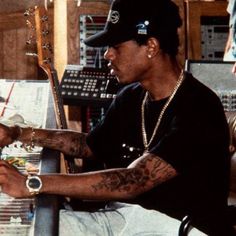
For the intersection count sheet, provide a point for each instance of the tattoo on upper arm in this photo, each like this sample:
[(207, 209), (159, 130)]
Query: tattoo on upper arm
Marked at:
[(160, 170), (148, 172)]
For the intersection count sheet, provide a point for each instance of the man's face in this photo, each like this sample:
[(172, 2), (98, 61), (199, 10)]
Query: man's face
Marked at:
[(128, 61)]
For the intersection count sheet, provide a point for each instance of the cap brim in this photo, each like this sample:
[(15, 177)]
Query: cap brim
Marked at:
[(106, 38), (99, 39)]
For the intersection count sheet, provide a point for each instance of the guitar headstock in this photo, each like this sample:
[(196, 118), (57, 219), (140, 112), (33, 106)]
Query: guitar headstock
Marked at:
[(41, 35)]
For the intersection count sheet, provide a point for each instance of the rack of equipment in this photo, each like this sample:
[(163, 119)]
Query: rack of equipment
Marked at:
[(218, 76)]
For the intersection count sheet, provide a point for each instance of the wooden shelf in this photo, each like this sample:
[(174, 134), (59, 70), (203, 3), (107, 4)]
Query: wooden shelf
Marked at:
[(194, 11)]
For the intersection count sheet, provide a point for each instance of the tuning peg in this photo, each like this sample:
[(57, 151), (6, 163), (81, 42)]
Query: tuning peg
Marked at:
[(47, 60), (44, 18), (30, 25), (46, 46), (29, 41), (29, 12), (31, 54), (26, 13), (45, 32)]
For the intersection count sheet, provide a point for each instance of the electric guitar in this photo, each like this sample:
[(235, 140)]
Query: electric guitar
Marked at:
[(45, 60)]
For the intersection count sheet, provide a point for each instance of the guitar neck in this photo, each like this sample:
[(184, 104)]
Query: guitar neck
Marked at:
[(45, 61), (58, 102)]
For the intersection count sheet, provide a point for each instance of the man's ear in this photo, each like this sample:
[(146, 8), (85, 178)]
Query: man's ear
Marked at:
[(153, 47)]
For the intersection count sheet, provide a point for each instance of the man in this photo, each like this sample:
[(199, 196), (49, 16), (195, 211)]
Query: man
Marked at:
[(163, 142)]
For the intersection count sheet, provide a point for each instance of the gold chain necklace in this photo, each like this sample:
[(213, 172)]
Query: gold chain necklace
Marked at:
[(144, 133)]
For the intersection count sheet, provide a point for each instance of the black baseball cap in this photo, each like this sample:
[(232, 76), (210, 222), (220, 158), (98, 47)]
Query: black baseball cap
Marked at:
[(128, 19)]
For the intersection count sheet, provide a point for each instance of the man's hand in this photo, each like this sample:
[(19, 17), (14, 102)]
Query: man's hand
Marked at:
[(8, 134), (12, 181)]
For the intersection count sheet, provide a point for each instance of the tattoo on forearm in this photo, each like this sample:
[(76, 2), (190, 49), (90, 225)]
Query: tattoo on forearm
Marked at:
[(150, 172), (121, 180), (78, 146), (73, 144)]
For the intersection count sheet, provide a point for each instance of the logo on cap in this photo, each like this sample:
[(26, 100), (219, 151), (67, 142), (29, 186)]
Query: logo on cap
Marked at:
[(113, 17), (142, 27)]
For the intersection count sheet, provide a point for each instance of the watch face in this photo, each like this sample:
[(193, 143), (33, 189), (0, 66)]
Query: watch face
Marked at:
[(34, 183)]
